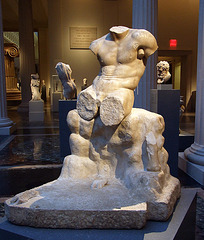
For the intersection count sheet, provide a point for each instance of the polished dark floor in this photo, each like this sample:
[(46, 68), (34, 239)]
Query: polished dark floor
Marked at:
[(32, 142), (187, 123)]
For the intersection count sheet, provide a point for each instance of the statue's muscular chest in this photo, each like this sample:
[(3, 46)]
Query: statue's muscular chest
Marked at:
[(116, 52)]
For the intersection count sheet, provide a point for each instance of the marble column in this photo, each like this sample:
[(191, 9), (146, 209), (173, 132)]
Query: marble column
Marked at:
[(194, 155), (27, 57), (144, 16), (5, 123)]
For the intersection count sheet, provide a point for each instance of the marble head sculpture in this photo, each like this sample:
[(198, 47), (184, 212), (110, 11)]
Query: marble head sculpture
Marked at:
[(35, 85), (64, 72), (163, 74), (117, 174)]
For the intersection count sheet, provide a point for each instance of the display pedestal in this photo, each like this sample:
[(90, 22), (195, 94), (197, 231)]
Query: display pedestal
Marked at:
[(56, 96), (64, 108), (176, 228), (167, 104), (164, 87), (36, 111)]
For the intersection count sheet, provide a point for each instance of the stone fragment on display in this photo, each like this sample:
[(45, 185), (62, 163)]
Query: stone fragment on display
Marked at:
[(64, 72)]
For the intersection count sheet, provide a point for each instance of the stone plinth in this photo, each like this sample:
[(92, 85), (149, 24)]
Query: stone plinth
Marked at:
[(36, 111), (175, 228), (65, 203), (123, 192)]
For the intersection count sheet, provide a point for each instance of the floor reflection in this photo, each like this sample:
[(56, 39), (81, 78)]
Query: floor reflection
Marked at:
[(187, 123), (32, 142), (28, 150)]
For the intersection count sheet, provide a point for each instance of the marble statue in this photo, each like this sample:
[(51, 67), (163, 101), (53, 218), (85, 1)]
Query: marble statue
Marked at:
[(117, 175), (35, 87), (122, 54), (69, 87), (163, 74)]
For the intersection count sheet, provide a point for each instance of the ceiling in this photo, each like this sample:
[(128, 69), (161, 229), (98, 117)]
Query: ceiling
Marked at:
[(10, 14)]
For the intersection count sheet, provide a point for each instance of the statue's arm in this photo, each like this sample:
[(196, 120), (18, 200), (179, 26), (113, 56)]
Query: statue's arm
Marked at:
[(144, 42)]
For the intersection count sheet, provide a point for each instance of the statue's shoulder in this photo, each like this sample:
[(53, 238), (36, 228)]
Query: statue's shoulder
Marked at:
[(139, 33), (96, 44), (145, 40)]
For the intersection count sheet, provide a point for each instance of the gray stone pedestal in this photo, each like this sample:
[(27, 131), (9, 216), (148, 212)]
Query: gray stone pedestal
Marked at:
[(36, 111), (180, 226)]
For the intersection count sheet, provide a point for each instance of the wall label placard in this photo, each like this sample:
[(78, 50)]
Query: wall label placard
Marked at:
[(81, 37)]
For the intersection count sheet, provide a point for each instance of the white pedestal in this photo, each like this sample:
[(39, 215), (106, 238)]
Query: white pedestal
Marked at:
[(36, 111)]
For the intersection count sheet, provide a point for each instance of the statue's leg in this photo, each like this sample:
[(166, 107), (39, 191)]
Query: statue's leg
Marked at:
[(100, 155), (76, 167), (116, 106), (86, 104), (134, 164), (152, 150)]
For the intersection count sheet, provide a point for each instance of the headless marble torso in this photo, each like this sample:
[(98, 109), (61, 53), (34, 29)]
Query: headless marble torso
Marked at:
[(122, 59), (122, 54)]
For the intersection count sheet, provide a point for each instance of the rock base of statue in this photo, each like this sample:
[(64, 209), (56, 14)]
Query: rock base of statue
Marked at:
[(175, 227), (36, 111), (65, 203), (127, 185)]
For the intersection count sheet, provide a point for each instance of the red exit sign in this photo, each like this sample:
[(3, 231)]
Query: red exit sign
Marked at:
[(173, 43)]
